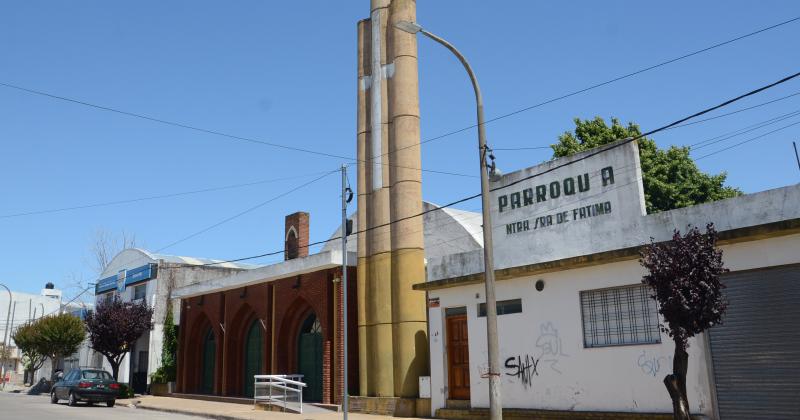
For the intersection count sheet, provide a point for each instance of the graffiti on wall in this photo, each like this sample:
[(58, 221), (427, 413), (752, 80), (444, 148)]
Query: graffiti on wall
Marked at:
[(548, 353), (551, 350), (651, 364), (523, 369)]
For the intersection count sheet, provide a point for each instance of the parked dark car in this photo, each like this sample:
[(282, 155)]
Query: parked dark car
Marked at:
[(90, 385)]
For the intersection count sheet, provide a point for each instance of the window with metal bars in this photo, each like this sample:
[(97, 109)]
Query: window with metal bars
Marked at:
[(619, 316)]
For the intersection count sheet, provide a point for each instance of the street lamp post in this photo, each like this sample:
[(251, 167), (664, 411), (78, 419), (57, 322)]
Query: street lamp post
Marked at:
[(495, 401)]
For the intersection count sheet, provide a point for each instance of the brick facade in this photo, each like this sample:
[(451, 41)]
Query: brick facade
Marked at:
[(281, 307)]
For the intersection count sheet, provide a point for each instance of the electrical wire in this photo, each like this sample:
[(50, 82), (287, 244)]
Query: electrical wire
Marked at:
[(248, 210), (618, 143), (205, 130), (155, 197), (607, 82), (747, 141), (326, 154), (744, 130), (679, 125)]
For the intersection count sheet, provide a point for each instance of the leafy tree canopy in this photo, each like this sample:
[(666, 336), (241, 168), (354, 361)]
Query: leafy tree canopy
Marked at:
[(671, 178), (115, 326), (60, 335), (27, 339)]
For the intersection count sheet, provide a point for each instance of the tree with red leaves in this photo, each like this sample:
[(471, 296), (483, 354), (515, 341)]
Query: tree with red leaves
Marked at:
[(115, 326), (684, 274)]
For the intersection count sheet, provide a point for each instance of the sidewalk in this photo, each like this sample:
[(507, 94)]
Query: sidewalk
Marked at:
[(233, 411)]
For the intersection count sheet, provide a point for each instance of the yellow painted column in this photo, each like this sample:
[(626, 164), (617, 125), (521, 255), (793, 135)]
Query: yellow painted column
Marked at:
[(408, 257), (363, 198)]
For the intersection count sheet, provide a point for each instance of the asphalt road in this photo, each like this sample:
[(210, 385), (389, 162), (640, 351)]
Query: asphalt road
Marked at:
[(36, 407)]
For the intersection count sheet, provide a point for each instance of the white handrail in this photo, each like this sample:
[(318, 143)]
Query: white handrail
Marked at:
[(287, 383)]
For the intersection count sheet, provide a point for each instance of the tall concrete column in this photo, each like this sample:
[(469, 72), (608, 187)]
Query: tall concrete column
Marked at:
[(363, 179), (392, 321), (408, 256), (379, 299)]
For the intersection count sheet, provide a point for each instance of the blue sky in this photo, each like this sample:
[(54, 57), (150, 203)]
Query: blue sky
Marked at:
[(284, 72)]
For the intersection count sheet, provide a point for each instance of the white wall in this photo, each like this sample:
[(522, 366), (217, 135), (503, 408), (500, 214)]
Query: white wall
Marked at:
[(569, 376)]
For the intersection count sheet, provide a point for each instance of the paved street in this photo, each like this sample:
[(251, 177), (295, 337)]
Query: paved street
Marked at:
[(29, 407)]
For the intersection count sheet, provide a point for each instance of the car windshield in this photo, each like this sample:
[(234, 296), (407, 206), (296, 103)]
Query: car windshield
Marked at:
[(96, 374)]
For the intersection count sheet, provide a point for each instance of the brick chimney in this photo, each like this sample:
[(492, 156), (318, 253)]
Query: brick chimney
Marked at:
[(296, 236)]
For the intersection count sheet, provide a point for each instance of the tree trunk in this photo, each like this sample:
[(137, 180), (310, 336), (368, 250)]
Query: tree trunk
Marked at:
[(53, 365), (114, 369), (676, 384)]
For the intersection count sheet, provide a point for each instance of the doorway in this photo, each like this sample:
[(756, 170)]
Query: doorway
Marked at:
[(309, 358), (253, 350), (457, 353), (209, 362)]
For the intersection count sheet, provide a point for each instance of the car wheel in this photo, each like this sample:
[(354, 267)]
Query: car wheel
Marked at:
[(90, 403), (73, 400), (111, 403), (53, 398)]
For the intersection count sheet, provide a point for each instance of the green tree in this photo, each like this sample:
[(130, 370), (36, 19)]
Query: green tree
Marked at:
[(671, 178), (169, 351), (59, 336), (27, 339)]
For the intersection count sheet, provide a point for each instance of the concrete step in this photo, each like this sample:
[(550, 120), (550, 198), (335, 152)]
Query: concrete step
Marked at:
[(458, 404)]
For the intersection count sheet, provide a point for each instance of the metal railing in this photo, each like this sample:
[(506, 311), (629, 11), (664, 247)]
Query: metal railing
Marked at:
[(277, 389)]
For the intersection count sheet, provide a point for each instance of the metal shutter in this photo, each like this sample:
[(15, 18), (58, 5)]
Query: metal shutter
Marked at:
[(756, 351)]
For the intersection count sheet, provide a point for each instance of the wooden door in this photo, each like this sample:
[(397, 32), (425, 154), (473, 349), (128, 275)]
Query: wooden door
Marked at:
[(457, 357)]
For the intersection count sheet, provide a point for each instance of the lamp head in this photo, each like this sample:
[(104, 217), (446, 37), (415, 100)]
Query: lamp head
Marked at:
[(406, 26), (495, 174)]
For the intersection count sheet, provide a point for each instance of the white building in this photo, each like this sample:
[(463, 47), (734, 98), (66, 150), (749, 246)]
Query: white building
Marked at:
[(138, 275), (577, 329), (26, 307)]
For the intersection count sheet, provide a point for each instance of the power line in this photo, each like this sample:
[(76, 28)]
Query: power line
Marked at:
[(662, 128), (677, 126), (744, 130), (155, 197), (319, 153), (205, 130), (618, 143), (748, 140), (248, 210), (607, 82), (737, 111)]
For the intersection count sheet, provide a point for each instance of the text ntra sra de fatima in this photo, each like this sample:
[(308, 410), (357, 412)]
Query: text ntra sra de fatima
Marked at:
[(569, 186)]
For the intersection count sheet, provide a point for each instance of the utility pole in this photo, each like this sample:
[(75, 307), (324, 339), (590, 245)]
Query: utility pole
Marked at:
[(5, 336), (796, 155), (347, 195)]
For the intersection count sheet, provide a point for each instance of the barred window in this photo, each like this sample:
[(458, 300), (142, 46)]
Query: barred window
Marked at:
[(619, 316)]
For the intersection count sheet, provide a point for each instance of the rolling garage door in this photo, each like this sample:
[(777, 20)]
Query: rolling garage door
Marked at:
[(756, 351)]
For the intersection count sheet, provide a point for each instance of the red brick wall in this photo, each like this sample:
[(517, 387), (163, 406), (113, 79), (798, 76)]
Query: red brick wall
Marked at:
[(295, 299)]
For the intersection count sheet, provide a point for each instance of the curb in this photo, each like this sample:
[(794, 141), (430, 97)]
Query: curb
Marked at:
[(186, 412)]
